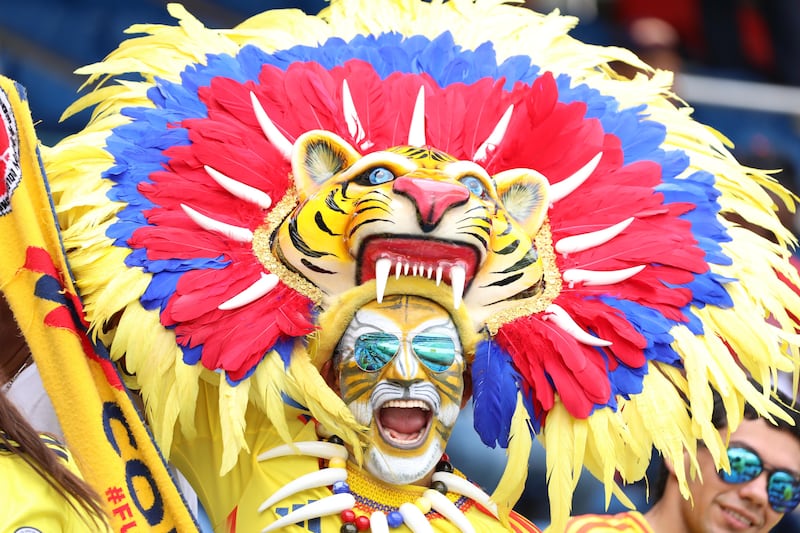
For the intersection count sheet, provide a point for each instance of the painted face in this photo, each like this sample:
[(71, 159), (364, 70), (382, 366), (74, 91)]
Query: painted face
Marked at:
[(400, 369), (742, 508)]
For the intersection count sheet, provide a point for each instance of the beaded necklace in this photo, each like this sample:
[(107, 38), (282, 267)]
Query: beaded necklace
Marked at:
[(448, 496)]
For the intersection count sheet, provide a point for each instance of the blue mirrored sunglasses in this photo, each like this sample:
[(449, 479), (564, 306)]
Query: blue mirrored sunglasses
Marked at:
[(373, 351), (783, 486)]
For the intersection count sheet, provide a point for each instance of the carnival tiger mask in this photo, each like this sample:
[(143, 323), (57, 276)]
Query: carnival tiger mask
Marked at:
[(412, 211)]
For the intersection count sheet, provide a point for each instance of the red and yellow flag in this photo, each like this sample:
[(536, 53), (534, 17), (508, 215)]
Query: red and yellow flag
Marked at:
[(104, 430)]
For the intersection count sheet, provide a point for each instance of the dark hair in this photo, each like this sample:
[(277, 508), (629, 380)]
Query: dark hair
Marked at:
[(20, 438), (720, 421)]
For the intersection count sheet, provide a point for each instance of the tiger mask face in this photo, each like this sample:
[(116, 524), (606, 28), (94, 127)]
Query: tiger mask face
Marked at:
[(410, 211), (399, 367)]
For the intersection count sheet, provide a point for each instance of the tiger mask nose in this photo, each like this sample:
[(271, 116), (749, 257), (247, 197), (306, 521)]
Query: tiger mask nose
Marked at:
[(431, 198)]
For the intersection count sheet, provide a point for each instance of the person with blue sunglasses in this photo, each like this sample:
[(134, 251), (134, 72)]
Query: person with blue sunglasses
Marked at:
[(761, 486)]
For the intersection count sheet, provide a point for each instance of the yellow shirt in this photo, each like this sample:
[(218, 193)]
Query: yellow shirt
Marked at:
[(232, 501), (30, 502)]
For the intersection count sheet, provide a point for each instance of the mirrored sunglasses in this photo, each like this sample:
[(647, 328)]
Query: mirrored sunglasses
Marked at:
[(373, 351), (783, 486)]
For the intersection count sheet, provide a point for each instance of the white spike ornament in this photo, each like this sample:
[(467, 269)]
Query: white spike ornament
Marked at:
[(273, 134), (239, 189), (236, 233), (599, 277), (586, 241), (261, 287), (565, 187), (495, 138), (416, 132), (561, 318)]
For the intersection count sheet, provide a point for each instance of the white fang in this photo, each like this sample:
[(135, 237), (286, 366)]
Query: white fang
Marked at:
[(312, 480), (239, 189), (585, 241), (495, 138), (416, 132), (382, 268), (236, 233), (324, 507), (271, 131), (313, 448), (565, 187), (447, 509), (599, 277), (561, 318), (458, 276), (259, 288), (414, 519)]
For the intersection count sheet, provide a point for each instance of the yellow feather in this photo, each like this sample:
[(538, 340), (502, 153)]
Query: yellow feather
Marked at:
[(561, 436), (232, 406), (267, 393), (512, 483)]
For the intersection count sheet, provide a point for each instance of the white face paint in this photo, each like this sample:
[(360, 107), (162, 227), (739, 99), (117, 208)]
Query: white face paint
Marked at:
[(400, 372)]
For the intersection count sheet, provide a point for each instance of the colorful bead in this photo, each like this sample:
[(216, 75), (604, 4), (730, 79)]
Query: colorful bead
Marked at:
[(444, 466), (423, 504), (337, 462), (340, 487), (439, 486), (348, 515), (362, 523), (348, 527), (394, 519)]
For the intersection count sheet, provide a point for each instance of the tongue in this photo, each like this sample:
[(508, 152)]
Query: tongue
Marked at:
[(403, 420)]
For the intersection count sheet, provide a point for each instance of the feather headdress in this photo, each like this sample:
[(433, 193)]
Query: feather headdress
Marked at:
[(168, 195)]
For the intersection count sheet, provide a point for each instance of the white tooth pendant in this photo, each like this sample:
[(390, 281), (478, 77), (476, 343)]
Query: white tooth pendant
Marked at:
[(414, 518), (312, 480), (464, 487), (458, 277), (442, 505), (323, 450), (326, 506), (382, 268), (378, 522)]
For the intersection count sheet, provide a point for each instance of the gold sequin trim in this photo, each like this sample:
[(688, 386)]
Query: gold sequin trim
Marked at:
[(552, 285), (262, 247)]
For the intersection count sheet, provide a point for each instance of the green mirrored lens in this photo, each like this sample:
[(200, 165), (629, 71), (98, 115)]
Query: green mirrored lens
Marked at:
[(373, 350), (783, 490), (437, 352), (745, 466)]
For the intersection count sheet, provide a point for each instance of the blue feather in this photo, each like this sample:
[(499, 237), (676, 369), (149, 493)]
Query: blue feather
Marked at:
[(494, 388)]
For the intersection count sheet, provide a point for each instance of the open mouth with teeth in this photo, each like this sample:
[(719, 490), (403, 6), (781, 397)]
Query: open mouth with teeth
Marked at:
[(453, 264), (404, 424)]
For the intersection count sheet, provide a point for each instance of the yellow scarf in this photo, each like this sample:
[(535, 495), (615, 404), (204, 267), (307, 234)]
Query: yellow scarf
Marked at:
[(113, 448)]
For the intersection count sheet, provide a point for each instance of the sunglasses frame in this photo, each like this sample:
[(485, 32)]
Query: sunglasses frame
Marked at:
[(426, 361), (778, 507)]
